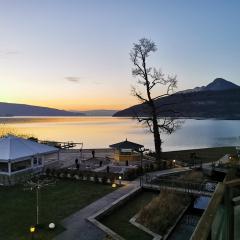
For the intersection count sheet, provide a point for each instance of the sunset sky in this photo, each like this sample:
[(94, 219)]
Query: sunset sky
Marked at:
[(74, 55)]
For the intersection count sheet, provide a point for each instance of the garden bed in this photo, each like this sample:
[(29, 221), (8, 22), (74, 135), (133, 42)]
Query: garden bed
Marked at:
[(161, 213), (118, 219)]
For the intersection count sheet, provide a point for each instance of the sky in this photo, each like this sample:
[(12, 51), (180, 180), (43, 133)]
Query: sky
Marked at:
[(74, 54)]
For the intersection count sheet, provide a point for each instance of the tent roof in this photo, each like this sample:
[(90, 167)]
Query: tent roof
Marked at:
[(126, 145), (12, 148)]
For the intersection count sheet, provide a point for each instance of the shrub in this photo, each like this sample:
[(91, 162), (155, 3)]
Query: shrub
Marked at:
[(80, 174), (162, 212), (104, 179), (131, 174), (151, 167), (192, 176), (48, 171), (112, 179), (52, 172), (96, 178)]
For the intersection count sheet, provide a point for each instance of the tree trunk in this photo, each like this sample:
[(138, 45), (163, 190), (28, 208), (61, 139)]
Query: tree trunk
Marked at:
[(157, 140)]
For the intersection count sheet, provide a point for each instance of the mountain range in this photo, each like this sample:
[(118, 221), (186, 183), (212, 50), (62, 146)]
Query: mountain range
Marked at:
[(219, 99), (100, 112), (14, 109)]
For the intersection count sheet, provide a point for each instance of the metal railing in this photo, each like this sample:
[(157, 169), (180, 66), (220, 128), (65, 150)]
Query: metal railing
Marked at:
[(204, 188)]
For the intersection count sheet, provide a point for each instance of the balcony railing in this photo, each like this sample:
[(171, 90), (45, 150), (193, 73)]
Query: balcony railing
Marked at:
[(220, 220)]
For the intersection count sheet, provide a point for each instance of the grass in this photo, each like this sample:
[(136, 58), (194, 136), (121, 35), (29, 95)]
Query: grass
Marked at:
[(205, 154), (18, 207), (161, 213), (118, 220)]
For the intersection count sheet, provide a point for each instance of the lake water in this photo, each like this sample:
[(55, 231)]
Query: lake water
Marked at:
[(100, 132)]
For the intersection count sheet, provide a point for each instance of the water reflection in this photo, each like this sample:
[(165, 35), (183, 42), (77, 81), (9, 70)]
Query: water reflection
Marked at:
[(98, 132)]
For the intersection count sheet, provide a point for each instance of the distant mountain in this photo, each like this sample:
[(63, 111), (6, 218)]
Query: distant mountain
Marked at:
[(99, 112), (219, 84), (14, 109), (219, 99)]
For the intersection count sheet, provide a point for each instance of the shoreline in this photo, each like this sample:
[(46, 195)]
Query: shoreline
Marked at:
[(108, 116)]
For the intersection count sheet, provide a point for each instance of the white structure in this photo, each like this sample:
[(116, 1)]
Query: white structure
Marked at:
[(238, 151), (18, 155)]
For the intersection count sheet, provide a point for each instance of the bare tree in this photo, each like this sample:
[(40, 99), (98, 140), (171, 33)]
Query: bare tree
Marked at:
[(150, 78)]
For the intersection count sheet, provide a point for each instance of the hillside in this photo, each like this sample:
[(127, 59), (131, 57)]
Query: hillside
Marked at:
[(221, 104), (13, 109), (99, 112)]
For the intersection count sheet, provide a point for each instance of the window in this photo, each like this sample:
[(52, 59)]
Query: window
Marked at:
[(35, 161), (21, 165), (3, 167), (40, 161)]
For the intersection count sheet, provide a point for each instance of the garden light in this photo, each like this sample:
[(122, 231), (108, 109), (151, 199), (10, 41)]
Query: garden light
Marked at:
[(32, 229), (51, 225)]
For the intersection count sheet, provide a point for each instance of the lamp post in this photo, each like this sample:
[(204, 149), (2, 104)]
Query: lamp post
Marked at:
[(141, 151), (120, 178), (174, 162)]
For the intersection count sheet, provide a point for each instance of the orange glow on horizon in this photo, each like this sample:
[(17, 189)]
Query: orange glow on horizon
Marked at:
[(74, 105)]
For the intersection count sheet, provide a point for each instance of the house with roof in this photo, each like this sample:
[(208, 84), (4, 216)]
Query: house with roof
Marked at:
[(20, 157), (127, 151)]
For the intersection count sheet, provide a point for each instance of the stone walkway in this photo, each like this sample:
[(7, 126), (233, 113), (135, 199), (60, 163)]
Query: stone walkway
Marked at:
[(77, 226)]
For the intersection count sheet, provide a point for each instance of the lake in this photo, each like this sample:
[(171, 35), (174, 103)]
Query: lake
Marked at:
[(100, 132)]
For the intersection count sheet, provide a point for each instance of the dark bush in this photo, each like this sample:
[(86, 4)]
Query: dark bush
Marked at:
[(48, 171), (96, 178), (131, 174), (104, 179)]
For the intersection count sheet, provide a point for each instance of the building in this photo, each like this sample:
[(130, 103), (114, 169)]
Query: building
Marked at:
[(126, 151), (20, 157)]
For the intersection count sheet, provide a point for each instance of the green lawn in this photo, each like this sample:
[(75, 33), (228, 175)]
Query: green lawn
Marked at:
[(204, 154), (17, 207), (118, 220)]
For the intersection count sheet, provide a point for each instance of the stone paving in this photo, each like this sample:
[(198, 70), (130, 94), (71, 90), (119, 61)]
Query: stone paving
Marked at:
[(67, 157), (79, 228)]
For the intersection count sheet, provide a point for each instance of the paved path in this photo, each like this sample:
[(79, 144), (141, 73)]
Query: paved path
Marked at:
[(168, 171), (78, 228)]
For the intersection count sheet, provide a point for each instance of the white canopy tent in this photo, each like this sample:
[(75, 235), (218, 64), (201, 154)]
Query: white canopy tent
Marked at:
[(19, 155)]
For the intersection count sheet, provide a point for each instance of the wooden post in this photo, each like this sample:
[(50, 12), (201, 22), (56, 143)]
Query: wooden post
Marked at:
[(9, 168)]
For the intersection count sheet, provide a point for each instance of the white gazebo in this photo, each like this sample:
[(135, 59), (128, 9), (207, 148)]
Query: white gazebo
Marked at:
[(19, 155)]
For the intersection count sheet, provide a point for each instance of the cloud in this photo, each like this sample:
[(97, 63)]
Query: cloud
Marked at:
[(11, 52), (73, 79), (7, 53)]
